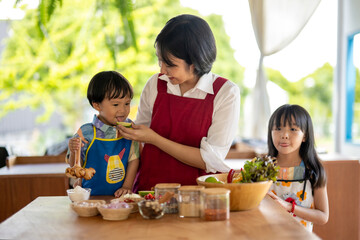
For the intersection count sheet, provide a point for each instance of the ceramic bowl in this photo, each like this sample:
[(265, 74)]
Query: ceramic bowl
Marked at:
[(115, 211), (243, 196), (150, 209), (87, 208), (78, 194), (129, 199)]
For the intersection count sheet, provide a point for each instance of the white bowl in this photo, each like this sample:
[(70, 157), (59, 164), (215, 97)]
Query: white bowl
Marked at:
[(77, 194)]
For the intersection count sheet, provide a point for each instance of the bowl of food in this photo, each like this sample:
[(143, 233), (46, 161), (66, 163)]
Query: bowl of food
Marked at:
[(115, 211), (131, 199), (78, 194), (151, 209), (87, 208), (248, 186)]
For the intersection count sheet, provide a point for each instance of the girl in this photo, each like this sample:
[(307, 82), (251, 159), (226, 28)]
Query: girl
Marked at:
[(114, 158), (187, 116), (301, 185)]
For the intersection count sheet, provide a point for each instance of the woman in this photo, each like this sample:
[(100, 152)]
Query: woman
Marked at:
[(187, 116)]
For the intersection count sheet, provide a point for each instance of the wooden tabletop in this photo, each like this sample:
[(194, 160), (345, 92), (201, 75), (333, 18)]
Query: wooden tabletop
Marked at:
[(52, 218), (34, 169)]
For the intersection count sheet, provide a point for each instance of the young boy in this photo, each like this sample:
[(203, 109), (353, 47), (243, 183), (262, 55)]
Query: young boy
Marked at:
[(114, 158)]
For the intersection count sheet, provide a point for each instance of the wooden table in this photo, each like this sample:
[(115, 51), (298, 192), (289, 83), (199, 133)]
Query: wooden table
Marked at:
[(21, 184), (52, 218)]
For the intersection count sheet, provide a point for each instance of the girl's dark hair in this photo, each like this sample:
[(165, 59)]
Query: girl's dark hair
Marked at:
[(283, 115), (189, 38), (108, 84)]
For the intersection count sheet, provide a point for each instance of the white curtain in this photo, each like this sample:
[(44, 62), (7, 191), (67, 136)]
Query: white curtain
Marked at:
[(276, 24)]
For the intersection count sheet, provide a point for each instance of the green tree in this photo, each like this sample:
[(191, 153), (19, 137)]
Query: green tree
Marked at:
[(53, 72), (314, 92)]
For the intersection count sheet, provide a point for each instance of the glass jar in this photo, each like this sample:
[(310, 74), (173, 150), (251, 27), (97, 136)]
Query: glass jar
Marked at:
[(189, 201), (161, 189), (215, 204)]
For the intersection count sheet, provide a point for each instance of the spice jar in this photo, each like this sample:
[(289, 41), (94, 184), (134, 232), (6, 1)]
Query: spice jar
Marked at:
[(215, 204), (171, 206), (189, 201)]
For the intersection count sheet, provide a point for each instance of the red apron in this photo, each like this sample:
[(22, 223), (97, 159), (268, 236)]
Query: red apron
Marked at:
[(182, 120)]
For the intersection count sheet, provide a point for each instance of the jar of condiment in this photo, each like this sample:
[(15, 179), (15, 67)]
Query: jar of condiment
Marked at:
[(189, 201), (161, 189), (215, 204)]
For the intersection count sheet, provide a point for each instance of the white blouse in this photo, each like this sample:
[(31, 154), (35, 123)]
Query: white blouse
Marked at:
[(225, 119)]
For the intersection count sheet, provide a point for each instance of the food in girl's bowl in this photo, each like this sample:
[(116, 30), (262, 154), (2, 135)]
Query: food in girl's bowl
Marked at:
[(115, 211), (248, 186), (150, 209), (131, 199), (87, 208), (78, 194), (144, 193)]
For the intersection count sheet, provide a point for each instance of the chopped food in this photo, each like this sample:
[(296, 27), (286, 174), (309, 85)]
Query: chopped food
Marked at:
[(257, 170), (213, 179), (151, 209), (116, 205), (149, 196)]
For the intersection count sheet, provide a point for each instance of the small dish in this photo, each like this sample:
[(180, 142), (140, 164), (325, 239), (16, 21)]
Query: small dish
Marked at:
[(78, 194), (131, 199), (115, 211), (150, 209), (87, 208)]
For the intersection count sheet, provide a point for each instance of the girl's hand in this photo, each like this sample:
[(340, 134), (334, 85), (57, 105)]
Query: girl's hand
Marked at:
[(75, 144), (286, 205), (122, 191), (140, 133)]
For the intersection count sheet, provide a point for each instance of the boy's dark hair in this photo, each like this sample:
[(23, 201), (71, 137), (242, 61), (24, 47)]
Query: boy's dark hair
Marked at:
[(189, 38), (108, 84), (283, 115)]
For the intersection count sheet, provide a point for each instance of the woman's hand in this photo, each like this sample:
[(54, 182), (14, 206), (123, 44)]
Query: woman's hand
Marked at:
[(286, 205), (140, 133)]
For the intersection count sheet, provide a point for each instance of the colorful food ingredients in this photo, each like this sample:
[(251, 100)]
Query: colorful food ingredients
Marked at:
[(151, 209), (230, 175), (212, 179), (116, 205), (149, 196), (257, 170)]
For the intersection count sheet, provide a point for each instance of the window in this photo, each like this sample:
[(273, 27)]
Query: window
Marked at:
[(352, 129)]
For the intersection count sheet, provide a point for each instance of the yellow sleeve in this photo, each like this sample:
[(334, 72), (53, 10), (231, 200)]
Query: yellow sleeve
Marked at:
[(134, 151)]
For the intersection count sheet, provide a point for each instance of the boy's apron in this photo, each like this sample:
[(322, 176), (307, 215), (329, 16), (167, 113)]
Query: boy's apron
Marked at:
[(298, 190), (182, 120), (109, 157)]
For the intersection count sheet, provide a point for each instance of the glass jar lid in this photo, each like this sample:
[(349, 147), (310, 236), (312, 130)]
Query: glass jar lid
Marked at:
[(191, 188), (215, 191), (167, 185)]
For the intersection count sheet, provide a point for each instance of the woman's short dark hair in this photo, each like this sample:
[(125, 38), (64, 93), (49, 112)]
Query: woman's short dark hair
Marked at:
[(189, 38), (108, 84)]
